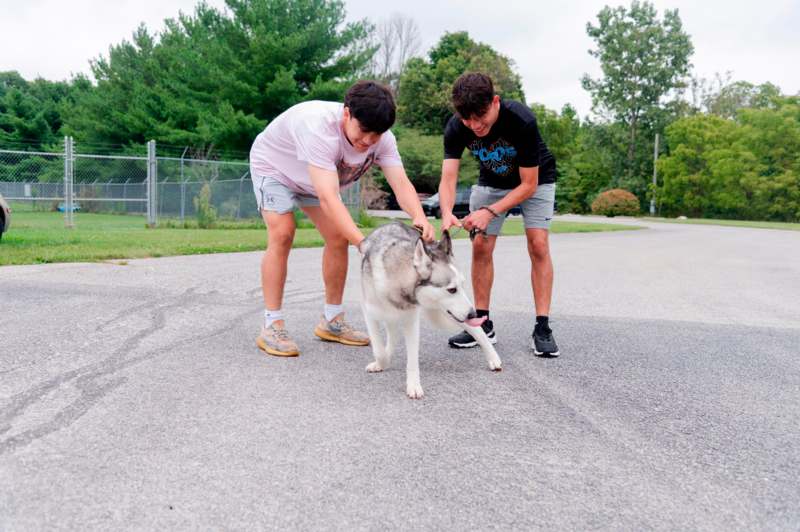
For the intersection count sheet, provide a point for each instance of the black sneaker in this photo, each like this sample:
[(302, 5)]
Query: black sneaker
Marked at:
[(464, 339), (543, 344)]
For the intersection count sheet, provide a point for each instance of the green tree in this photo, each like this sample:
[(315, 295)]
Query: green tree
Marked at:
[(643, 59), (425, 86), (422, 159), (591, 166), (559, 131), (702, 172), (213, 78), (31, 111), (733, 97), (746, 168)]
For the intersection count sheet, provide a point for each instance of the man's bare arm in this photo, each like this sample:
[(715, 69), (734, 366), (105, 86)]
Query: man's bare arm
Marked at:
[(407, 197), (447, 192), (326, 184)]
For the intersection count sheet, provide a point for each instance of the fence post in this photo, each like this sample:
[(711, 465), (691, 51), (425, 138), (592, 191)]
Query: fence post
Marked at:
[(655, 182), (152, 185), (66, 179), (69, 177), (239, 207), (183, 184)]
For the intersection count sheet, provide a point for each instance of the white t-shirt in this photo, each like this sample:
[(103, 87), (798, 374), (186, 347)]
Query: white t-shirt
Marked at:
[(311, 133)]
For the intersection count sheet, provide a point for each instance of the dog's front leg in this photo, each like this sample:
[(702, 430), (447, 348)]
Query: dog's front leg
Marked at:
[(411, 330), (492, 358), (382, 358), (391, 338)]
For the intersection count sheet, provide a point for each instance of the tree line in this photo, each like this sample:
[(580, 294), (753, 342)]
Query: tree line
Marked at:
[(212, 80)]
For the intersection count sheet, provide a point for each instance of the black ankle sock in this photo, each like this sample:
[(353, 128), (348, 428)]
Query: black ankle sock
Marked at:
[(481, 313), (542, 321)]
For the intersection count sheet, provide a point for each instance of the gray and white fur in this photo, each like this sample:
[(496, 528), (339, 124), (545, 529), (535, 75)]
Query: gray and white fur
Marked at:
[(404, 279)]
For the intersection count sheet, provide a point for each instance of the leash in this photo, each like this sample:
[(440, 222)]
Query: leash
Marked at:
[(472, 232)]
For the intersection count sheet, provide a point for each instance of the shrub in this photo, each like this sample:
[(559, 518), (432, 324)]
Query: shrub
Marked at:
[(616, 202), (205, 212)]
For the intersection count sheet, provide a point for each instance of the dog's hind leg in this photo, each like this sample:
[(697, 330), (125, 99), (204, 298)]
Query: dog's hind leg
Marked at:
[(411, 331), (382, 356), (492, 358)]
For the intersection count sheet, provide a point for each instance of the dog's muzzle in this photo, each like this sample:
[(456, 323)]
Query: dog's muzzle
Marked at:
[(472, 318)]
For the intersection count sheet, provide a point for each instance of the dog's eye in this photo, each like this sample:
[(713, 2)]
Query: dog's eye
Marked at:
[(452, 290)]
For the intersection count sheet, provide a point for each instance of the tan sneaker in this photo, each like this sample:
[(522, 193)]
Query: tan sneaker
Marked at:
[(338, 330), (275, 341)]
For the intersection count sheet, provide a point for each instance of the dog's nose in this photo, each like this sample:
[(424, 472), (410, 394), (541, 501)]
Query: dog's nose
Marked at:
[(472, 314)]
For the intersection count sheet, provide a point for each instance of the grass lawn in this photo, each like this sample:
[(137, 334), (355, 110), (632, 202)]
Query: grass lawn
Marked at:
[(40, 237), (786, 226)]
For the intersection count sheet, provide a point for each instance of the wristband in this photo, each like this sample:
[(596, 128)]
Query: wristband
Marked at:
[(490, 210)]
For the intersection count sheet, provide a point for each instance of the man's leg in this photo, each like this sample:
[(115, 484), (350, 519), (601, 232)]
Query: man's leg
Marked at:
[(483, 270), (537, 212), (541, 269), (482, 280), (333, 326), (334, 256), (280, 234)]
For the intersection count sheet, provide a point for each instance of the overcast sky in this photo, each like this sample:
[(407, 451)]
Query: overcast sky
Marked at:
[(758, 41)]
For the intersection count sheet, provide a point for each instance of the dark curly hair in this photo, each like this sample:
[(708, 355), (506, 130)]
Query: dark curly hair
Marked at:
[(372, 104), (472, 94)]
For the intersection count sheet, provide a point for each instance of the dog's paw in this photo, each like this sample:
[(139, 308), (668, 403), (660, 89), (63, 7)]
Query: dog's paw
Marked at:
[(414, 390), (496, 364), (374, 367)]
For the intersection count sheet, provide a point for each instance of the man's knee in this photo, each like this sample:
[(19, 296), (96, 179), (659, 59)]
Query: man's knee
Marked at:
[(280, 239), (336, 241), (482, 250), (280, 230), (538, 245)]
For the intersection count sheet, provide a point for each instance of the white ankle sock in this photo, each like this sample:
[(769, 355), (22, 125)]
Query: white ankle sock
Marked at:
[(271, 316), (331, 311)]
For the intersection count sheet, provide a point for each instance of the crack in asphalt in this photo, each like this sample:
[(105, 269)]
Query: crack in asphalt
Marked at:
[(87, 380)]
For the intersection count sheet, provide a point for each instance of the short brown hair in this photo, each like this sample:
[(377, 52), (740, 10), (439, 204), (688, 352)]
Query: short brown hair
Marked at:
[(372, 104), (472, 94)]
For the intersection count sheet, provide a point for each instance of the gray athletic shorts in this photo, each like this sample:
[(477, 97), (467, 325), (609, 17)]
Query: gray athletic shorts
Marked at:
[(537, 211), (274, 196)]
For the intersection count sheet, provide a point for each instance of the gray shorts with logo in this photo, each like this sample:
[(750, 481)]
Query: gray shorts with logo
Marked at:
[(537, 211), (274, 196)]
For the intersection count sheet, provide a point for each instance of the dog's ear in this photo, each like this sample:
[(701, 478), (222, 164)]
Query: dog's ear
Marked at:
[(446, 243), (422, 261)]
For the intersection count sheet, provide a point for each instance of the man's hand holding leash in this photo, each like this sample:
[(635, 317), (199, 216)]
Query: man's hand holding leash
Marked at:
[(480, 219)]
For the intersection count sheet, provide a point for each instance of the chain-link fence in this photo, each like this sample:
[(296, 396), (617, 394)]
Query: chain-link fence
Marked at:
[(147, 185)]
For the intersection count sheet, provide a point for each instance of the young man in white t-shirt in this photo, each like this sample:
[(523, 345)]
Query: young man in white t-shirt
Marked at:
[(301, 160)]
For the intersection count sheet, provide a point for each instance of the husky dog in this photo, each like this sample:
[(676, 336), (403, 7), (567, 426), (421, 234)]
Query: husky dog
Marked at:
[(401, 277)]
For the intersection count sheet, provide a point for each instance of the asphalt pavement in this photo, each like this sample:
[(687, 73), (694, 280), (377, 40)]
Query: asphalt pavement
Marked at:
[(132, 397)]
